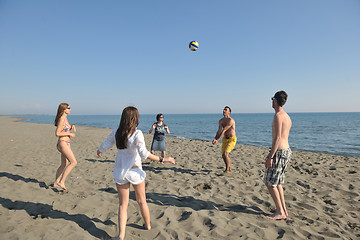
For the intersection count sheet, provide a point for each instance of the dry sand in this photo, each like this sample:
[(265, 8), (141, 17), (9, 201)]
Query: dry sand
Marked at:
[(187, 200)]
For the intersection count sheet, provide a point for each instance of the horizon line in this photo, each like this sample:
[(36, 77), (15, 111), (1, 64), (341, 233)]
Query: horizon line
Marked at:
[(43, 114)]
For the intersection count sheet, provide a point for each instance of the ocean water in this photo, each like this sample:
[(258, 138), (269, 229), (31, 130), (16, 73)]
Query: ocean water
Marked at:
[(335, 133)]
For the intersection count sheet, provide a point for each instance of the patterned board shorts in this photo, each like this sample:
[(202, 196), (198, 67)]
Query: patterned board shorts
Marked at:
[(275, 174)]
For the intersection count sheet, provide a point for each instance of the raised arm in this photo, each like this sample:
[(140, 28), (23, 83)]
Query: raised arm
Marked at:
[(152, 128), (167, 129)]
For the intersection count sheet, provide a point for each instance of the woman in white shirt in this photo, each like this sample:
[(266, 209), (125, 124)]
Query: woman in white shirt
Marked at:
[(131, 150)]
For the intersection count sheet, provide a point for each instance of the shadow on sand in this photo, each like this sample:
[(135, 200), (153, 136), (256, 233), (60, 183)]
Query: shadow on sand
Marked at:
[(16, 177), (41, 210), (191, 202), (160, 168), (99, 160)]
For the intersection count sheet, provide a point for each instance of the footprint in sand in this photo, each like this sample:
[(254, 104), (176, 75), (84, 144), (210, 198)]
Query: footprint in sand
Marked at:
[(257, 200), (304, 185), (202, 186), (185, 215), (308, 220), (330, 202), (208, 223)]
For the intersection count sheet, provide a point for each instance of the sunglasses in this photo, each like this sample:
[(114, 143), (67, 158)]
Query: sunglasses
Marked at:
[(69, 108), (272, 98)]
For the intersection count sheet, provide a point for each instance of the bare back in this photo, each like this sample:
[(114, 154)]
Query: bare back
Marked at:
[(280, 130)]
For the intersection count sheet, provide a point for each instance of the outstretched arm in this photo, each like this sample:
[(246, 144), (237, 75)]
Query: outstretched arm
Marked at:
[(223, 130), (161, 159), (145, 154), (227, 127), (108, 143), (218, 134)]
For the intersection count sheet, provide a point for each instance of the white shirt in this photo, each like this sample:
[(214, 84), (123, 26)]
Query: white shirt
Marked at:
[(126, 158)]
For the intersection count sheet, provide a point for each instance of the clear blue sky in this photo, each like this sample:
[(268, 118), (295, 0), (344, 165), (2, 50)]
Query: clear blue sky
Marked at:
[(100, 56)]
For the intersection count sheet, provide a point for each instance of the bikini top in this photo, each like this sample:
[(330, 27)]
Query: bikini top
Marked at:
[(66, 128)]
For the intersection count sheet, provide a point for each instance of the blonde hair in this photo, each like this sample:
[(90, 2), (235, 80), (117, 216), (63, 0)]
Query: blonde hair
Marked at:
[(62, 107)]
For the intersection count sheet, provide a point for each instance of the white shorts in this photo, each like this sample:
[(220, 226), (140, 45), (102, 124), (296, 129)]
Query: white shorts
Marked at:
[(134, 176)]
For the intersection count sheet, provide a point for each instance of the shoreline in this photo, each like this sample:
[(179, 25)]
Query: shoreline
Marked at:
[(21, 119), (188, 200)]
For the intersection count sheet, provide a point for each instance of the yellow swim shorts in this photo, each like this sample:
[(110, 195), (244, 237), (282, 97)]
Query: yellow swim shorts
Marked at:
[(228, 144)]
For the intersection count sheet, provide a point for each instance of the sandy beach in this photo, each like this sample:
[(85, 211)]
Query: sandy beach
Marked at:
[(188, 200)]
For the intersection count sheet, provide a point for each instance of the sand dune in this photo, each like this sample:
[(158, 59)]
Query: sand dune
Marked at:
[(188, 200)]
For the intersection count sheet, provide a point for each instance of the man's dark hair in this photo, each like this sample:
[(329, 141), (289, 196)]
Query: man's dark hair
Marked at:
[(228, 108), (281, 97)]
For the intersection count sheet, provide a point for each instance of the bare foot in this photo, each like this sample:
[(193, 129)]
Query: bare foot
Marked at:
[(276, 216), (225, 173), (60, 185), (147, 228), (274, 211)]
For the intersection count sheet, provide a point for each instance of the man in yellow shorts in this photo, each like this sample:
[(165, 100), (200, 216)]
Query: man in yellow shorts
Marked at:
[(226, 129)]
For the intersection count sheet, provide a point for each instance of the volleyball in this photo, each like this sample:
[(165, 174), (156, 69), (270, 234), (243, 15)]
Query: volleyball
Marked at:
[(193, 45)]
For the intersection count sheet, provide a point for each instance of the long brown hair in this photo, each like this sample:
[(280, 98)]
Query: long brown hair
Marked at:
[(62, 107), (128, 123)]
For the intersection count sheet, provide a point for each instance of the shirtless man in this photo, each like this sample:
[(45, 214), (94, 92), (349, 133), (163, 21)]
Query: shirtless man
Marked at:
[(226, 129), (279, 156)]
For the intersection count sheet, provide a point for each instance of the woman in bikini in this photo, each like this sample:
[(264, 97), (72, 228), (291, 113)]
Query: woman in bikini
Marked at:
[(128, 169), (68, 160)]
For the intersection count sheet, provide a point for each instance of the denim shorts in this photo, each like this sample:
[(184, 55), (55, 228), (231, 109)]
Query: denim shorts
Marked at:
[(275, 174)]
